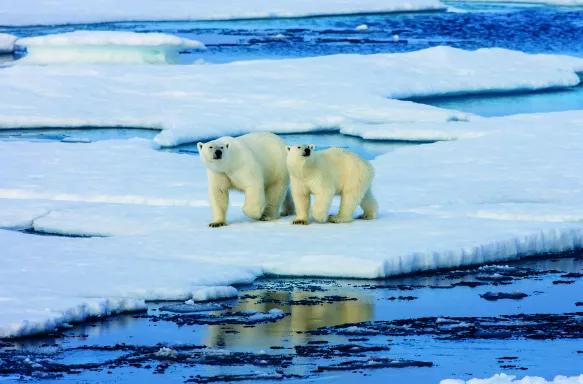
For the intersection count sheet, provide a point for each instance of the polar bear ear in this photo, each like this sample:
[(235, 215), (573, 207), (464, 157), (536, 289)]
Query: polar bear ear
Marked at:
[(312, 147), (199, 145), (288, 148)]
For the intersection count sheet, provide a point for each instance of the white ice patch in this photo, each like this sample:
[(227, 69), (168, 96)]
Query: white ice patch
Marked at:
[(196, 102), (105, 47), (166, 352), (7, 43), (212, 293), (361, 27), (503, 378), (48, 12)]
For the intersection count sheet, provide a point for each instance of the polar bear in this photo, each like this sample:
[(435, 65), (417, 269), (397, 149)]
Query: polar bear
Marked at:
[(326, 174), (254, 164)]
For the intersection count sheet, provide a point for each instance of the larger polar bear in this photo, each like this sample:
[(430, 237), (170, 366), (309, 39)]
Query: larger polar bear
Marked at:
[(254, 164), (326, 174)]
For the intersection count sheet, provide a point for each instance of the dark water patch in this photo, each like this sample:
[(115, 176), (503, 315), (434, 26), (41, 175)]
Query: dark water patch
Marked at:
[(563, 282), (337, 350), (241, 317), (522, 326), (491, 296), (311, 300), (198, 307), (242, 377), (374, 364)]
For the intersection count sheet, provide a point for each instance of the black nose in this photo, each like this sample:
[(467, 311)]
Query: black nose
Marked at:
[(307, 151), (218, 154)]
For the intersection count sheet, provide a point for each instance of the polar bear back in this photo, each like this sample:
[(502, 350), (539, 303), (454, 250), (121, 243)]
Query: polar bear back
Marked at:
[(338, 169), (268, 151)]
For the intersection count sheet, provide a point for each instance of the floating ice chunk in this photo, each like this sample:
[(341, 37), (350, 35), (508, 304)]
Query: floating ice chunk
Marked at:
[(165, 352), (395, 38), (279, 36), (7, 43), (273, 314), (212, 293), (361, 27), (76, 12), (503, 378), (105, 47)]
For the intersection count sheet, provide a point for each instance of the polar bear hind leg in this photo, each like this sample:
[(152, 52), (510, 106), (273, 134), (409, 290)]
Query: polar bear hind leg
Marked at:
[(254, 205), (349, 200), (369, 205), (274, 197)]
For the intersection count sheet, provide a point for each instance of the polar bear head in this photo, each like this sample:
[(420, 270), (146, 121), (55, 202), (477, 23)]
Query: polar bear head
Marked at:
[(300, 153), (217, 154)]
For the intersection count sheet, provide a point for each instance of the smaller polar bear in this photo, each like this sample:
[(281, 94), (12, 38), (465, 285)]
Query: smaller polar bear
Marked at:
[(254, 164), (326, 174)]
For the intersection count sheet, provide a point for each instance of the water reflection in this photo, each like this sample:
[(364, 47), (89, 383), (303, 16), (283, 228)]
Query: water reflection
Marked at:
[(302, 317)]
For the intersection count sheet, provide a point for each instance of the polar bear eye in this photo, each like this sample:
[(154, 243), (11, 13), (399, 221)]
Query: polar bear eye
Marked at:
[(211, 147), (299, 147)]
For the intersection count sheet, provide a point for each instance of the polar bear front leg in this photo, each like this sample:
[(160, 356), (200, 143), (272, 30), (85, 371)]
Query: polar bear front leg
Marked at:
[(219, 199), (254, 205), (301, 198), (322, 206)]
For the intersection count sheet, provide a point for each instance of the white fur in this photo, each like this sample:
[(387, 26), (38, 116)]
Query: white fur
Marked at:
[(326, 174), (254, 164)]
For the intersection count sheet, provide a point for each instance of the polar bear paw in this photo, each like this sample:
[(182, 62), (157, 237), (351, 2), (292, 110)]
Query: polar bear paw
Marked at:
[(339, 219), (217, 224), (365, 217), (265, 217), (300, 222)]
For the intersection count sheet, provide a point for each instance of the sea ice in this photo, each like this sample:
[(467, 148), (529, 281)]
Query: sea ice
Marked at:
[(7, 43), (190, 103), (105, 47), (47, 12)]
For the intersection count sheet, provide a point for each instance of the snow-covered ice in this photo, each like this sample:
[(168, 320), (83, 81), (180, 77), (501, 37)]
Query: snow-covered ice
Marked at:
[(105, 47), (152, 208), (212, 293), (49, 12), (7, 43), (503, 378), (190, 103)]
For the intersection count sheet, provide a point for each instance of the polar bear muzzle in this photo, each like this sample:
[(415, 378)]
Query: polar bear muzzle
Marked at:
[(218, 154)]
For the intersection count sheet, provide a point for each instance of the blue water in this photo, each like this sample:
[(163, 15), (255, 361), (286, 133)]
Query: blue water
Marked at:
[(534, 29)]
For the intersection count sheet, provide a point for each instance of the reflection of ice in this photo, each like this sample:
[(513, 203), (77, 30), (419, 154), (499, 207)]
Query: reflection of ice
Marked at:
[(302, 317)]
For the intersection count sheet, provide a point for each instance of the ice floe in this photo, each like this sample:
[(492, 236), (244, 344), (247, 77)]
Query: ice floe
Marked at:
[(562, 3), (105, 47), (441, 207), (7, 43), (48, 12), (190, 103)]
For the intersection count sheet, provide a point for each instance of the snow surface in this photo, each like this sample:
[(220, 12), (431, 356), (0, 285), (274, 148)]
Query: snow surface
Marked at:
[(150, 211), (190, 103), (7, 43), (503, 378), (105, 47), (49, 12)]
